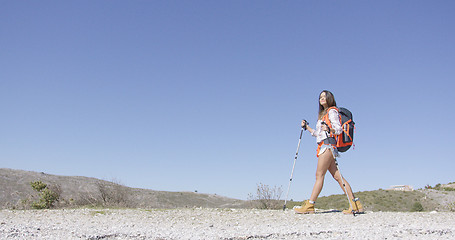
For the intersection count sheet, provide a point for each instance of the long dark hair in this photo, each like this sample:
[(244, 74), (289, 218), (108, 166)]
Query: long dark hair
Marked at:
[(330, 99)]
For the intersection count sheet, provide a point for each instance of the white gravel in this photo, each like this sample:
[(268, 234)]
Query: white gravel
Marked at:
[(221, 224)]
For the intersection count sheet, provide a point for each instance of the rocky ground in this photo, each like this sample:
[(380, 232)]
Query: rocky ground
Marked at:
[(206, 223)]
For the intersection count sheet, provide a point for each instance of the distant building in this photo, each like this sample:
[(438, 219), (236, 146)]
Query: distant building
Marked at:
[(404, 188)]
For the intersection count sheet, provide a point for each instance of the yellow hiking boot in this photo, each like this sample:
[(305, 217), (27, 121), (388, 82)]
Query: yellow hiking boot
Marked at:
[(306, 208), (356, 205)]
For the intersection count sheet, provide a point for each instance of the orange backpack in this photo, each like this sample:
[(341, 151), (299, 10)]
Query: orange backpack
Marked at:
[(346, 139)]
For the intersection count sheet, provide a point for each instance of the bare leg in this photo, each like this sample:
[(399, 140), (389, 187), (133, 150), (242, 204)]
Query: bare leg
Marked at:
[(337, 176), (325, 160)]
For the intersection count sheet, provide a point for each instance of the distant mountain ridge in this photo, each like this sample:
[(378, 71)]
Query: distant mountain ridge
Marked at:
[(79, 191)]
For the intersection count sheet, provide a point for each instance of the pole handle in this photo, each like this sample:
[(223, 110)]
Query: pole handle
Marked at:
[(305, 125)]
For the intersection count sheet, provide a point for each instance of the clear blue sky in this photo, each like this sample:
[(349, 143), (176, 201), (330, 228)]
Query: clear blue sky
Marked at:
[(208, 95)]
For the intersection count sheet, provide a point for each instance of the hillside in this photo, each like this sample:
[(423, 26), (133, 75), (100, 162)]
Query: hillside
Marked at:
[(16, 192), (439, 198), (76, 191)]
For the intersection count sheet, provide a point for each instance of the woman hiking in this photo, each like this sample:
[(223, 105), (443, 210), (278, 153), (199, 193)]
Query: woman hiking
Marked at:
[(327, 127)]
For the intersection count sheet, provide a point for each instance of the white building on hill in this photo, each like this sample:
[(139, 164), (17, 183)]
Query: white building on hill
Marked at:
[(404, 188)]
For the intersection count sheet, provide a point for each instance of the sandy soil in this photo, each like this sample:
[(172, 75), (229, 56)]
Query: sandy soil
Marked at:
[(221, 224)]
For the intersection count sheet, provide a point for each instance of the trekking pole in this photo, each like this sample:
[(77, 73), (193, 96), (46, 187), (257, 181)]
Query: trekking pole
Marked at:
[(293, 166), (341, 175), (346, 191)]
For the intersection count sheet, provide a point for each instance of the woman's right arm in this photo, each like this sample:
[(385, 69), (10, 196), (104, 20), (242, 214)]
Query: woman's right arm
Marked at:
[(308, 127)]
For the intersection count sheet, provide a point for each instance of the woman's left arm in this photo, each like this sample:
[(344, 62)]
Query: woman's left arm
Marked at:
[(334, 118)]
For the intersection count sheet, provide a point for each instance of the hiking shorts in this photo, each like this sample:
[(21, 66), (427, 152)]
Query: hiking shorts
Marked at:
[(322, 147)]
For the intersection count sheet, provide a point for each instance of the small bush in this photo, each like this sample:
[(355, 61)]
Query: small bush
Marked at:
[(266, 197), (108, 194), (48, 196), (417, 207), (112, 193), (452, 207)]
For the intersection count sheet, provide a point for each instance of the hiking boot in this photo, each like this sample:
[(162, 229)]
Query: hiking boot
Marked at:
[(356, 205), (306, 208)]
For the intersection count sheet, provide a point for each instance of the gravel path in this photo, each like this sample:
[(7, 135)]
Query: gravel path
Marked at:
[(221, 224)]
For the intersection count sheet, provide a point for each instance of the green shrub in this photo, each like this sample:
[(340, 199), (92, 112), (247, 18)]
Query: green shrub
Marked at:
[(452, 207), (47, 196), (417, 207), (38, 185)]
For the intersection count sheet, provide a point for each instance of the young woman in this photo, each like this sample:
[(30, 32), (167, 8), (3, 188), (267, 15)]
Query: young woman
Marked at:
[(327, 126)]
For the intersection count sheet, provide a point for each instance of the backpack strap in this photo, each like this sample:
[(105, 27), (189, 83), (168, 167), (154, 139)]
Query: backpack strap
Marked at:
[(327, 120)]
